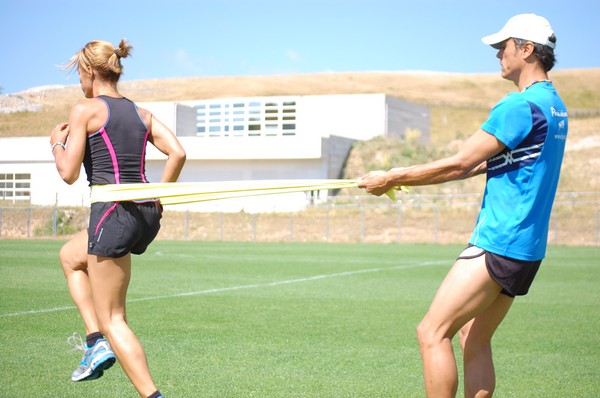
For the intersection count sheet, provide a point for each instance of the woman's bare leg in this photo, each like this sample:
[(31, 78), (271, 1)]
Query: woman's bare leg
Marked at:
[(74, 260), (109, 280)]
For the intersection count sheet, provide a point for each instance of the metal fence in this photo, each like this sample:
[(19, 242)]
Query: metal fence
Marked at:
[(417, 218)]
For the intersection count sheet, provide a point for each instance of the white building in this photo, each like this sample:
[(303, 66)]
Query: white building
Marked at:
[(229, 139)]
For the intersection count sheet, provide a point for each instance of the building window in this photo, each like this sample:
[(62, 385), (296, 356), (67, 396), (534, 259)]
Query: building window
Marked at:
[(15, 186), (289, 129), (253, 117)]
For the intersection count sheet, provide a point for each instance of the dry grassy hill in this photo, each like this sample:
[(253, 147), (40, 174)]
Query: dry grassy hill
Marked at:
[(458, 103)]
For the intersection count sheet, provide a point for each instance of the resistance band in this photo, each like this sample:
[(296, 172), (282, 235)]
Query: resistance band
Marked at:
[(188, 192)]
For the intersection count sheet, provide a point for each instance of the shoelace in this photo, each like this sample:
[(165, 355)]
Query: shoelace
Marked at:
[(76, 342)]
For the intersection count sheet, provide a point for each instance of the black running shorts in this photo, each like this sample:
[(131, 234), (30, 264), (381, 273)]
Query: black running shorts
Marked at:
[(515, 276), (117, 228)]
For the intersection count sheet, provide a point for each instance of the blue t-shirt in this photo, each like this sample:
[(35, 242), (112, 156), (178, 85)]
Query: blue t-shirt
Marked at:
[(522, 179)]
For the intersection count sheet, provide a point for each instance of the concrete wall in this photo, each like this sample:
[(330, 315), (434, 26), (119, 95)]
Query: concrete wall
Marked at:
[(357, 116), (407, 118), (176, 116)]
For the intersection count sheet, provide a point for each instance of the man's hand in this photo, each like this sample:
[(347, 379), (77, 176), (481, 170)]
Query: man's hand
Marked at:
[(375, 182)]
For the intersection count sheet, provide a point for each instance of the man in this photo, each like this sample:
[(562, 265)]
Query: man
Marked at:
[(520, 147)]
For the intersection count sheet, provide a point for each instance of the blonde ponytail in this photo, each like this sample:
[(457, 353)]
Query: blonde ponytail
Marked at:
[(103, 57)]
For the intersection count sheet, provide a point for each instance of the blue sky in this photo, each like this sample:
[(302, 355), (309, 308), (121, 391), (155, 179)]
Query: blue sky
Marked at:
[(180, 38)]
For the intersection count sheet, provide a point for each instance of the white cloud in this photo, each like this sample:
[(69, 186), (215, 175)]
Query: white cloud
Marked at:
[(183, 59), (292, 55)]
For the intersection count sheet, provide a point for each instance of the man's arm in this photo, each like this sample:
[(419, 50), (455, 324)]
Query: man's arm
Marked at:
[(469, 161)]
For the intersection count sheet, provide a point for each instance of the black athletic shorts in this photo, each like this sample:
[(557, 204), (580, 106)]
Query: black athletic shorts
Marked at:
[(117, 228), (515, 276)]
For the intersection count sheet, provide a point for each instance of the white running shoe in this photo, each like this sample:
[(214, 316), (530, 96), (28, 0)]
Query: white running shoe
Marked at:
[(95, 359)]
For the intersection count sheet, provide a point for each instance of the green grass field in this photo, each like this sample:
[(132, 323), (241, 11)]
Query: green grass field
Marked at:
[(293, 320)]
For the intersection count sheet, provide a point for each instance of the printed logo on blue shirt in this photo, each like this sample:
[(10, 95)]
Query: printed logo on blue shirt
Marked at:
[(526, 152)]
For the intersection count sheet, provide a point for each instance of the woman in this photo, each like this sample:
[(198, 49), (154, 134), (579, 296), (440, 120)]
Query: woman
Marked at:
[(108, 134)]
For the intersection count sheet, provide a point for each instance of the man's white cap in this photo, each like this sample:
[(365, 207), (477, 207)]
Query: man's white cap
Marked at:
[(528, 27)]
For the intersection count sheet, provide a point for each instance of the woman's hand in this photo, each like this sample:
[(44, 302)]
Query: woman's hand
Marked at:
[(60, 133)]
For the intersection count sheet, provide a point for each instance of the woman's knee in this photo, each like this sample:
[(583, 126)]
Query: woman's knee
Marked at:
[(71, 261), (73, 254), (65, 258)]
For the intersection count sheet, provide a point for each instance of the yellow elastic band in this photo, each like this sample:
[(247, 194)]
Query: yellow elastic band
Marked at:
[(188, 192)]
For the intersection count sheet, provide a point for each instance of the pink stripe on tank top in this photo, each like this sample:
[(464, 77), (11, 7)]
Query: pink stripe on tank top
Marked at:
[(113, 155), (143, 162)]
